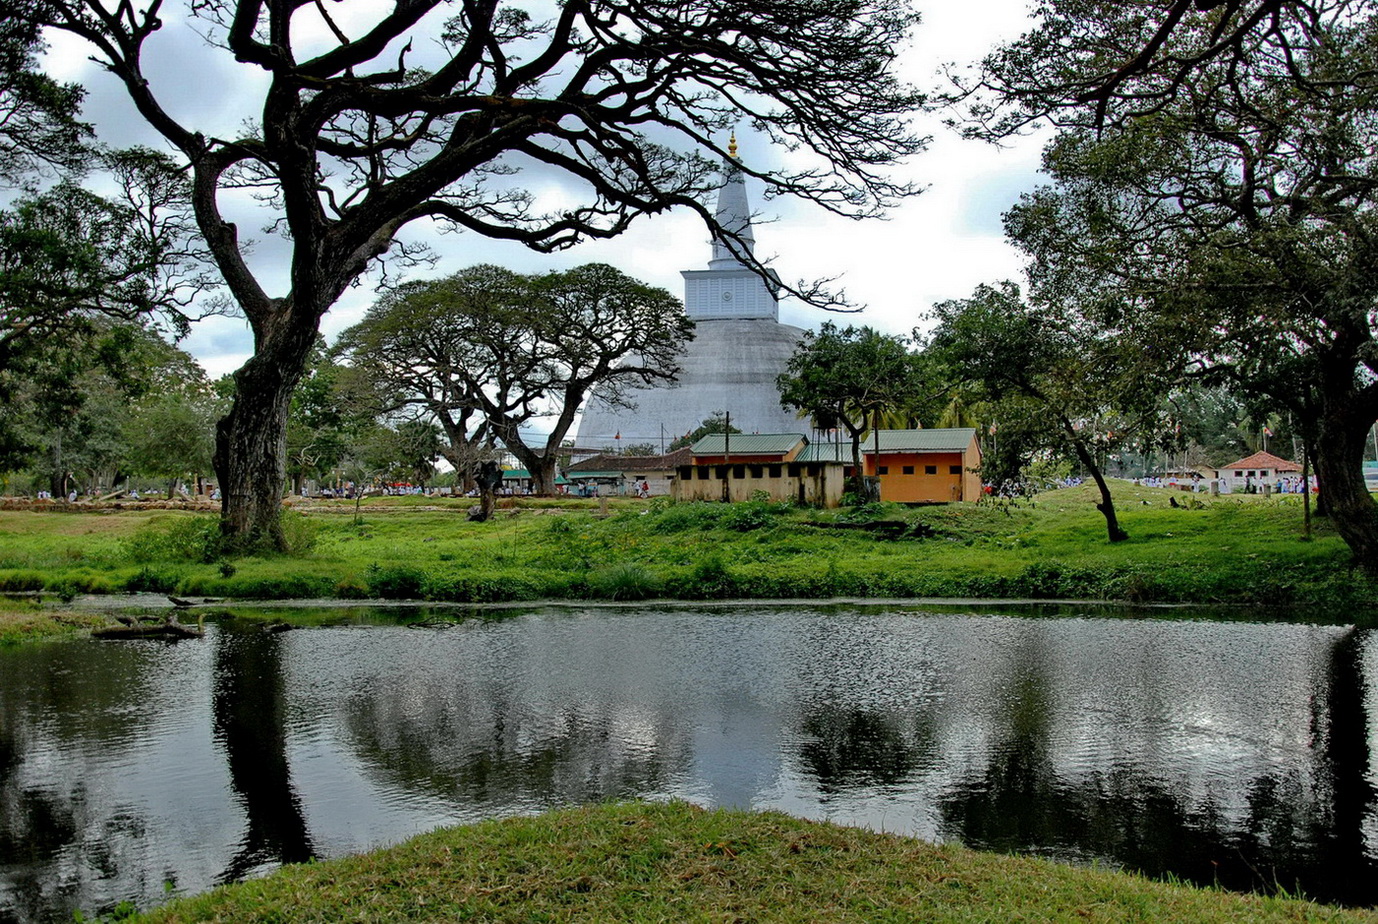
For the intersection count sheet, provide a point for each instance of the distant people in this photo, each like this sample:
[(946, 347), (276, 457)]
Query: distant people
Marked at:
[(644, 489), (72, 496)]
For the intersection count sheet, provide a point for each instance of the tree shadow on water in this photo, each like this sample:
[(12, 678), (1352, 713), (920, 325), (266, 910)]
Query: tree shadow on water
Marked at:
[(249, 709)]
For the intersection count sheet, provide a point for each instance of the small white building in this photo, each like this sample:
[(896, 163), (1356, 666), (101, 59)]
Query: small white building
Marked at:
[(1253, 472)]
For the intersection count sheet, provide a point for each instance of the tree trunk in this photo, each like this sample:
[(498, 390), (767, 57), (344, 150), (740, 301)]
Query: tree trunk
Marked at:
[(1339, 459), (251, 442), (1107, 504)]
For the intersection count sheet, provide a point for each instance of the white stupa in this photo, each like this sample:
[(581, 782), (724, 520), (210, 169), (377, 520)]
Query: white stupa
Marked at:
[(739, 347)]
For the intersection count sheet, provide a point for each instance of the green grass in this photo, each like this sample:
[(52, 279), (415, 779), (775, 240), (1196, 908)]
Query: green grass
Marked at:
[(24, 621), (637, 862), (1228, 550)]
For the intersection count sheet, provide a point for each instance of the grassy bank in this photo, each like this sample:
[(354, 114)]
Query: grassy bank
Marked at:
[(1222, 550), (678, 863), (22, 621)]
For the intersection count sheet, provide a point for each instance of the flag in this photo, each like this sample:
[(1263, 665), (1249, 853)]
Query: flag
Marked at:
[(1267, 432), (618, 436)]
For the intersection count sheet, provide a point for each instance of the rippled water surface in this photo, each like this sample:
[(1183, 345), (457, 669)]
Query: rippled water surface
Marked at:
[(1231, 752)]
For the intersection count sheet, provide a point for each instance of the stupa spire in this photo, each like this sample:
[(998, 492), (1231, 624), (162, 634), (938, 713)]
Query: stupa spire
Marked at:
[(733, 213)]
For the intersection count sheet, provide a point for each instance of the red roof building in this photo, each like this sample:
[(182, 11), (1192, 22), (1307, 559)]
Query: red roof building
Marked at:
[(1256, 469)]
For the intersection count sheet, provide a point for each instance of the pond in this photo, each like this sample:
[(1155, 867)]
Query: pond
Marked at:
[(1230, 752)]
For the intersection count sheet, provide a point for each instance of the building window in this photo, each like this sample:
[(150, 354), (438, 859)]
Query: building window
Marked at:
[(954, 470), (1239, 474), (686, 472), (757, 471), (703, 473), (739, 472), (883, 470), (794, 469), (930, 469), (721, 472), (909, 469), (775, 471)]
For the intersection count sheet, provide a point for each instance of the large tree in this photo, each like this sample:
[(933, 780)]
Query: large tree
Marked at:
[(40, 132), (421, 110), (488, 352), (1104, 63), (1061, 379), (1235, 232), (849, 377)]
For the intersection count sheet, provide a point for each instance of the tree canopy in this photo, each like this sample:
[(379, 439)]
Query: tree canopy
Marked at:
[(846, 377), (487, 352), (425, 112), (1234, 233), (1104, 63)]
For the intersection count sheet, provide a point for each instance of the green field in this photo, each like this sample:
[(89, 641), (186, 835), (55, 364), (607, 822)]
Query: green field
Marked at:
[(1247, 550), (636, 862)]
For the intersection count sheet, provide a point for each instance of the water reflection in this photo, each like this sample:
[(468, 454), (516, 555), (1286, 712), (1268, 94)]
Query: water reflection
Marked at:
[(249, 714), (1237, 752)]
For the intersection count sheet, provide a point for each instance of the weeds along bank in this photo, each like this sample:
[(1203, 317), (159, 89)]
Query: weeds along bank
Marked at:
[(1244, 550)]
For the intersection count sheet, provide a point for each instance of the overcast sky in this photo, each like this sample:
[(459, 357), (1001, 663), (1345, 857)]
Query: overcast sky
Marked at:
[(937, 246)]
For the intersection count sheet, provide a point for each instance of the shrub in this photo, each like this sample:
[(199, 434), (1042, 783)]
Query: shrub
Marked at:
[(624, 581), (750, 515), (396, 582), (21, 581), (298, 533), (710, 579), (195, 539), (276, 586), (694, 515), (350, 587), (154, 580)]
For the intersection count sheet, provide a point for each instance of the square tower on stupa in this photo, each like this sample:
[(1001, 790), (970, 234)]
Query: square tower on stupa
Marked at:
[(729, 289), (738, 350)]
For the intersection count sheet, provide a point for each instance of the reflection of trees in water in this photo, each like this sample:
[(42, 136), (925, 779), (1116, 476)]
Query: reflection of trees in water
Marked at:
[(1342, 868), (847, 748), (249, 709), (484, 746), (68, 702), (1301, 828)]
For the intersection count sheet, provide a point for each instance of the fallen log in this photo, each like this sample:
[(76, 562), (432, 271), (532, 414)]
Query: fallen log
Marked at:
[(169, 628)]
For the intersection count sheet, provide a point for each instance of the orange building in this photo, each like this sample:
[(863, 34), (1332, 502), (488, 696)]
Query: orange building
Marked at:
[(914, 466)]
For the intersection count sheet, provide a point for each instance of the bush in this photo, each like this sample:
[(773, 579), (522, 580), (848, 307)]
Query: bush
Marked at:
[(710, 579), (749, 515), (694, 515), (298, 533), (21, 582), (494, 587), (154, 580), (273, 586), (195, 539), (396, 582), (624, 581)]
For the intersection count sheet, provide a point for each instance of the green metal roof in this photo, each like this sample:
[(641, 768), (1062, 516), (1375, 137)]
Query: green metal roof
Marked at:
[(747, 444), (938, 440), (947, 439), (827, 452)]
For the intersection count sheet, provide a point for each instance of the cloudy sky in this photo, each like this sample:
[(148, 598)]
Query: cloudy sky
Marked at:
[(937, 246)]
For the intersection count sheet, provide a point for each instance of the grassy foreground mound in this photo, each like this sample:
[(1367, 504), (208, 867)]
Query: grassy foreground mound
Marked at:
[(1183, 548), (638, 862)]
